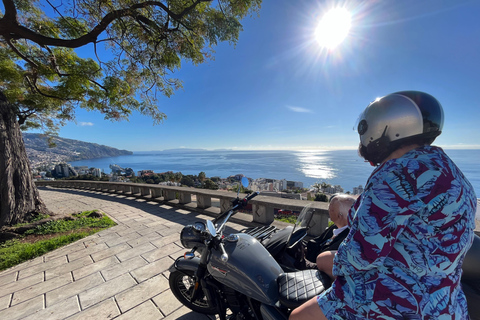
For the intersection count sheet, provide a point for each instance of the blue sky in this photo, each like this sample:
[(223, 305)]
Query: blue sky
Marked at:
[(278, 89)]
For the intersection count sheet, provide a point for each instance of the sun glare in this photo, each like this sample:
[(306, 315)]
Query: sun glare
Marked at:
[(333, 28)]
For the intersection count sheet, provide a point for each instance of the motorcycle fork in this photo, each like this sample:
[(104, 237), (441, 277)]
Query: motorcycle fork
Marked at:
[(199, 279), (200, 282), (209, 289)]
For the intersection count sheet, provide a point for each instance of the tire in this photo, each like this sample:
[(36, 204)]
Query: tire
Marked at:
[(181, 284)]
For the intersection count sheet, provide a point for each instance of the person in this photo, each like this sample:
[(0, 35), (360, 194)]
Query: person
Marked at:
[(410, 228), (321, 250)]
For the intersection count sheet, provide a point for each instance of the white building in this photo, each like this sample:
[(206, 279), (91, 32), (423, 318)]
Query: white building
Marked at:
[(280, 185), (333, 190), (65, 170), (97, 172), (358, 190)]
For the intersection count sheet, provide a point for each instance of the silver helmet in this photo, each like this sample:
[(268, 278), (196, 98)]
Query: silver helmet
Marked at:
[(395, 119)]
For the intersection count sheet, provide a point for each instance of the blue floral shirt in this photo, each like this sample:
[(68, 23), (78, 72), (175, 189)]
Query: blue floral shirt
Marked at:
[(410, 231)]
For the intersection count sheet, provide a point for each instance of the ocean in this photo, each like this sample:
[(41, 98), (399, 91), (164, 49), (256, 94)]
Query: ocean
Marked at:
[(336, 167)]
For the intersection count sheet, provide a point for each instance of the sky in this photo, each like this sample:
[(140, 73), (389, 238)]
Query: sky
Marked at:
[(278, 88)]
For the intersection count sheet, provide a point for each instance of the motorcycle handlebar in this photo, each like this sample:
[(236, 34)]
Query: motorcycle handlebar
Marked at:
[(237, 204), (252, 195)]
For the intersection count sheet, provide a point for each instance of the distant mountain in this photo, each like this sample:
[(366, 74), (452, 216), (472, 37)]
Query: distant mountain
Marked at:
[(66, 150)]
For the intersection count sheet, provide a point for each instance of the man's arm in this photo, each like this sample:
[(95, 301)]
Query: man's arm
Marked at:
[(325, 262)]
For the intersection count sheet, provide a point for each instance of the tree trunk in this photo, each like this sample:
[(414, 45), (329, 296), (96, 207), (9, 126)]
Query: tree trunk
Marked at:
[(19, 196)]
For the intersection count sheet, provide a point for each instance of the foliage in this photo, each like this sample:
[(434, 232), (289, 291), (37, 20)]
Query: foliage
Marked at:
[(39, 217), (325, 185), (35, 218), (287, 218), (188, 181), (85, 177), (156, 178), (242, 189), (302, 190), (82, 221), (209, 184), (319, 187), (178, 176), (136, 48), (321, 197), (13, 252)]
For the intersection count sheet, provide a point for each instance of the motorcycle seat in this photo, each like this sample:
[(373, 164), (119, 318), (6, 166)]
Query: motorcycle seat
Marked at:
[(296, 288)]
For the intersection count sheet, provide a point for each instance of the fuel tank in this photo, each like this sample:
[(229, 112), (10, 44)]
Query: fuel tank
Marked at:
[(250, 269)]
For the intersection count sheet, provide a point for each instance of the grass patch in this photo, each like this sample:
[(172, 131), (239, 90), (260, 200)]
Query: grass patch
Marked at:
[(287, 218), (13, 252), (35, 219), (293, 219), (50, 236), (83, 221)]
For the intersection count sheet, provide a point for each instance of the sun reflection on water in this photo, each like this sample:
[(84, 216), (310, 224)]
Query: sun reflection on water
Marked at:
[(315, 164)]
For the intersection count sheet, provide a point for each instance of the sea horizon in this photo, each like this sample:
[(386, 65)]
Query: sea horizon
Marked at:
[(336, 167)]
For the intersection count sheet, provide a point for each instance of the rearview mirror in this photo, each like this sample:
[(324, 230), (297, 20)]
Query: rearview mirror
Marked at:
[(245, 182)]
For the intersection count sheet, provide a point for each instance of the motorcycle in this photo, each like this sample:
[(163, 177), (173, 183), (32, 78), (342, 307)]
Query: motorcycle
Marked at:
[(218, 277), (285, 245), (236, 277)]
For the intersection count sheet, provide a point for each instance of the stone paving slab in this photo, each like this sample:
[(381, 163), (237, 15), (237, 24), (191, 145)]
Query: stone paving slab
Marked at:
[(118, 273)]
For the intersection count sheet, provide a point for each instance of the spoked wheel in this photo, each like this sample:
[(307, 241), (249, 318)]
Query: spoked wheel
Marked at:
[(181, 284)]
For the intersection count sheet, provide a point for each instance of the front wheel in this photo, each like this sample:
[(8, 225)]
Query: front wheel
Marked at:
[(181, 284)]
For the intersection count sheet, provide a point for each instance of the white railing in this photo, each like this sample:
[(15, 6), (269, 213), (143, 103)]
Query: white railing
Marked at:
[(207, 201)]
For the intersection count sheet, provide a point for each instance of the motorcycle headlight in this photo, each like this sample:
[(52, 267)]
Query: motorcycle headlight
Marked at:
[(191, 235)]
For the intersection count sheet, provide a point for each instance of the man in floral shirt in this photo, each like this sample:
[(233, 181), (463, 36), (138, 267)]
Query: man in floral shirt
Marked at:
[(410, 229)]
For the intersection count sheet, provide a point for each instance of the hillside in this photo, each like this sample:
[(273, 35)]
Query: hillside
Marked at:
[(66, 150)]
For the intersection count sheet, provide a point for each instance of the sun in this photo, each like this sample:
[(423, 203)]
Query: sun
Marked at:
[(333, 28)]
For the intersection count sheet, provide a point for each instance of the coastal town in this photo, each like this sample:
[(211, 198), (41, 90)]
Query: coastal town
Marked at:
[(53, 163), (273, 187)]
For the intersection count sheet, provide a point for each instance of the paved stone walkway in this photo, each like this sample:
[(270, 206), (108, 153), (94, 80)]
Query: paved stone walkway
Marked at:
[(120, 273)]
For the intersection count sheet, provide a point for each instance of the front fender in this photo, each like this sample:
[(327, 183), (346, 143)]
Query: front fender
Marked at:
[(182, 264)]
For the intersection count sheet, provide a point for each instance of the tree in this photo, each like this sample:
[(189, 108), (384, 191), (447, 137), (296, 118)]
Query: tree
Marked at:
[(187, 181), (325, 185), (209, 184), (136, 47), (178, 176), (317, 187), (202, 176), (321, 197), (242, 189)]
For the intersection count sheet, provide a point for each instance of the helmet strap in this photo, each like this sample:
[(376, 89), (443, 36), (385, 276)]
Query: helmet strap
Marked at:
[(379, 149)]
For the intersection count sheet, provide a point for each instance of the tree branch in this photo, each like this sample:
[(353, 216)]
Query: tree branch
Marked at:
[(57, 11), (10, 11), (10, 29), (34, 86), (21, 55), (96, 54), (55, 66), (23, 115)]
